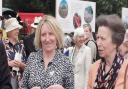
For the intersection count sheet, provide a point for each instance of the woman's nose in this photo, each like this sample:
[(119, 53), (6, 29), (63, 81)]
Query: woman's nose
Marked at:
[(47, 37), (98, 42)]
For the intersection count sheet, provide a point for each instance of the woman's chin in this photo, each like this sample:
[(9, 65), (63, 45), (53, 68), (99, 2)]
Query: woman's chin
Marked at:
[(101, 54), (48, 50)]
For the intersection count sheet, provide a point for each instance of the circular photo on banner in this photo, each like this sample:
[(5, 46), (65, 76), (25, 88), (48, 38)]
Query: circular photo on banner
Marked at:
[(76, 20), (88, 14), (63, 9)]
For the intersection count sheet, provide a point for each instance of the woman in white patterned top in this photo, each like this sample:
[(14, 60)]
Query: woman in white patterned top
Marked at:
[(48, 68)]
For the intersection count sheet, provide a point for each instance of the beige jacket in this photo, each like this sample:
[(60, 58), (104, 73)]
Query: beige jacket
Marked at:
[(82, 63), (120, 78)]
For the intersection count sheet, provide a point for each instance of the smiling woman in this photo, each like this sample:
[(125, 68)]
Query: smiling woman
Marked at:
[(48, 67), (14, 46), (80, 56)]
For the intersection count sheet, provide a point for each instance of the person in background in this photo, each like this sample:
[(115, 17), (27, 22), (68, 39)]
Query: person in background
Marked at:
[(15, 51), (110, 71), (1, 34), (90, 42), (67, 40), (48, 68), (124, 46), (76, 20), (80, 56), (5, 78), (1, 30), (67, 43), (29, 40)]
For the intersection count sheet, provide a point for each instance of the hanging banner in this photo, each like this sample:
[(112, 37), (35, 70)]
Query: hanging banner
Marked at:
[(72, 14)]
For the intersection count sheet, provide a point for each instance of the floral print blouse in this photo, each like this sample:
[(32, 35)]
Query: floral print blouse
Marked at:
[(11, 50)]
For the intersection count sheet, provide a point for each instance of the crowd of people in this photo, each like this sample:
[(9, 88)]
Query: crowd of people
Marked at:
[(50, 59)]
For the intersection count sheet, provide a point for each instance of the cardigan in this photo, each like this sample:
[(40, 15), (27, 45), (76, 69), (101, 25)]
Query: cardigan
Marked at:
[(81, 61)]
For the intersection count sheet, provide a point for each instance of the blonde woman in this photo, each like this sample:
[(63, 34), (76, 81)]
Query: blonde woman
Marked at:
[(48, 68)]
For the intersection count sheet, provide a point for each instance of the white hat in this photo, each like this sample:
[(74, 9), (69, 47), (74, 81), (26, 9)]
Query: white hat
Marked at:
[(79, 32), (11, 24), (36, 22)]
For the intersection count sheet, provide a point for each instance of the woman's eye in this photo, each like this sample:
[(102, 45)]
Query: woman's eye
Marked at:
[(50, 33), (102, 38), (97, 37), (43, 34)]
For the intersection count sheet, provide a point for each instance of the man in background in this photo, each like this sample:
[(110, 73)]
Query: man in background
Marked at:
[(29, 40)]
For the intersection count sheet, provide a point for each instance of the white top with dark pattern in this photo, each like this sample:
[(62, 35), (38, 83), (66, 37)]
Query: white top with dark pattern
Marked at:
[(59, 71)]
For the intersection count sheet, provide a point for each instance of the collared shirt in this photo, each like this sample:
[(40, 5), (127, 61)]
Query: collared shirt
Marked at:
[(11, 50), (59, 71)]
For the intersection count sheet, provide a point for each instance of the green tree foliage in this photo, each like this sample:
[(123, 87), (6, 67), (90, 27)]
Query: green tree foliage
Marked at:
[(44, 6), (48, 6), (110, 6)]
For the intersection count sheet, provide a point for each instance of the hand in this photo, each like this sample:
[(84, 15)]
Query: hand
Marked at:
[(36, 87), (22, 65), (55, 87), (13, 63)]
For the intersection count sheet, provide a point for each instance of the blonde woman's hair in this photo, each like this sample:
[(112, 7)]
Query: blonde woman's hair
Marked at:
[(54, 26)]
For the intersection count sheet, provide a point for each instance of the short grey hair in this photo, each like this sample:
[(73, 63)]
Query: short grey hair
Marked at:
[(78, 32)]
